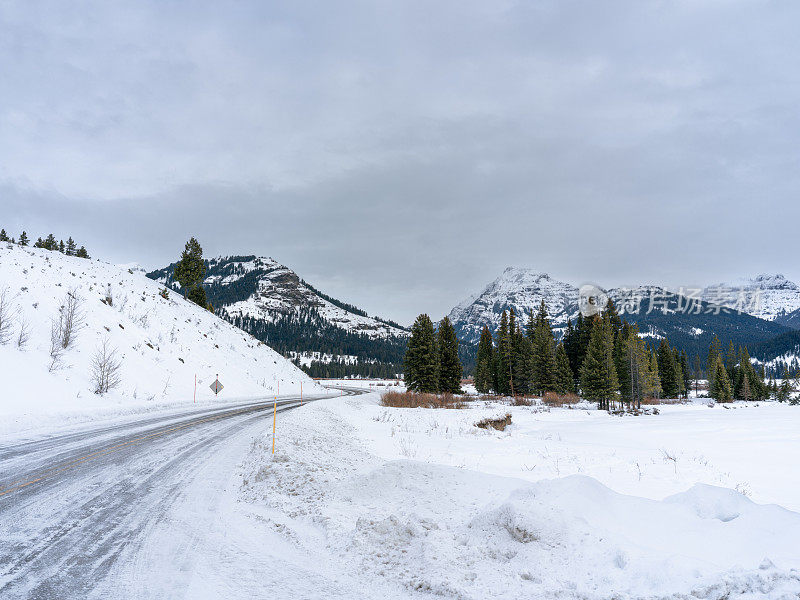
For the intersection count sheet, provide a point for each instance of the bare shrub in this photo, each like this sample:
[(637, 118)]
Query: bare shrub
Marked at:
[(105, 368), (522, 401), (553, 399), (420, 400), (24, 334), (70, 320), (7, 313), (56, 348), (499, 423), (656, 401)]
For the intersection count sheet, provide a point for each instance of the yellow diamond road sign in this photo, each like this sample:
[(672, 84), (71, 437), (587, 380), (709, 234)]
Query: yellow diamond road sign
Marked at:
[(216, 387)]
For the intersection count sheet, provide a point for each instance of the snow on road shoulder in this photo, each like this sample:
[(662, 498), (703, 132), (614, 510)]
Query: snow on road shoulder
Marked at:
[(428, 504)]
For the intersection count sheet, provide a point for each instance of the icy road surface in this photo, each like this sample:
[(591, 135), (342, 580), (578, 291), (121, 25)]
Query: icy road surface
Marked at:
[(116, 511)]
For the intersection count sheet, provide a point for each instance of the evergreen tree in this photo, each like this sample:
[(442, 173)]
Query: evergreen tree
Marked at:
[(504, 356), (23, 239), (543, 345), (784, 391), (422, 357), (687, 377), (484, 363), (653, 387), (714, 352), (39, 243), (565, 380), (191, 268), (197, 294), (449, 364), (721, 390), (667, 371), (572, 348), (730, 358), (3, 235), (622, 362), (82, 253), (598, 376), (70, 247), (61, 246), (50, 242)]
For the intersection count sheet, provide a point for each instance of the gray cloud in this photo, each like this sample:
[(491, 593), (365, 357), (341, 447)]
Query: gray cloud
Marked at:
[(398, 154)]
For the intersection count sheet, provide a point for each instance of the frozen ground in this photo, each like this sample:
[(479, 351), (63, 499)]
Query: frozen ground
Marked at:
[(366, 501)]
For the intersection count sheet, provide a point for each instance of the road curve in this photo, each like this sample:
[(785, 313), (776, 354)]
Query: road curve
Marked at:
[(78, 508)]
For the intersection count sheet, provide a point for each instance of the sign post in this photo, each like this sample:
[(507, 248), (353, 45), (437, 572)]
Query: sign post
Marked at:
[(216, 387), (274, 417)]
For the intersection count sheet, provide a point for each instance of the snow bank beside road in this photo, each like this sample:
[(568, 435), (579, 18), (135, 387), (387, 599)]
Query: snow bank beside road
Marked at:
[(381, 492), (161, 343)]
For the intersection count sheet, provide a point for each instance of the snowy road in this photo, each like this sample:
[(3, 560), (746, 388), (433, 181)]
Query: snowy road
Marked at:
[(115, 511)]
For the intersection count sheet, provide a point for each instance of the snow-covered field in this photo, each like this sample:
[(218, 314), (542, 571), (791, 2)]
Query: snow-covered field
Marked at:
[(362, 500), (161, 344)]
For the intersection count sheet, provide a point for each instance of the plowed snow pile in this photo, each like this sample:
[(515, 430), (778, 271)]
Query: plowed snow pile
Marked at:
[(161, 344), (420, 503)]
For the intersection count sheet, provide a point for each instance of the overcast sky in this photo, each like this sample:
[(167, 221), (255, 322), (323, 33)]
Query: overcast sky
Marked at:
[(399, 155)]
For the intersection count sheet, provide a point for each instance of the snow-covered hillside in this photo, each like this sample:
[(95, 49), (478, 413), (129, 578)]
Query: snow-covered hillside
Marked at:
[(520, 289), (161, 343), (262, 288), (766, 296)]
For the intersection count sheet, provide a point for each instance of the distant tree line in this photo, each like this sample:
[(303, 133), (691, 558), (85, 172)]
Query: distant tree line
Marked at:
[(601, 357), (70, 248), (431, 361)]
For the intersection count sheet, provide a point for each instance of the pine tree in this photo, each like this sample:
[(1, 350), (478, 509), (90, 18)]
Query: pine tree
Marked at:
[(622, 362), (3, 235), (571, 347), (449, 364), (565, 380), (61, 246), (422, 357), (191, 269), (50, 242), (484, 363), (730, 358), (784, 391), (544, 363), (504, 356), (70, 247), (714, 352), (653, 388), (666, 368), (598, 376), (23, 239), (82, 253), (687, 377), (721, 390)]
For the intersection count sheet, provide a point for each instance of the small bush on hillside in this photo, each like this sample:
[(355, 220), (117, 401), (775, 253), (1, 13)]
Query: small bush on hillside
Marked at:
[(499, 423), (420, 400)]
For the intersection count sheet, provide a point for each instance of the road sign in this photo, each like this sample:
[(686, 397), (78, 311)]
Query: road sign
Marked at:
[(216, 387)]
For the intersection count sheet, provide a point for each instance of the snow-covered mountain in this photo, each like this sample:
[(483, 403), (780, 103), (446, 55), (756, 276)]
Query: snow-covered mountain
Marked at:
[(263, 288), (272, 302), (771, 297), (161, 342), (260, 287), (659, 312), (520, 289)]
